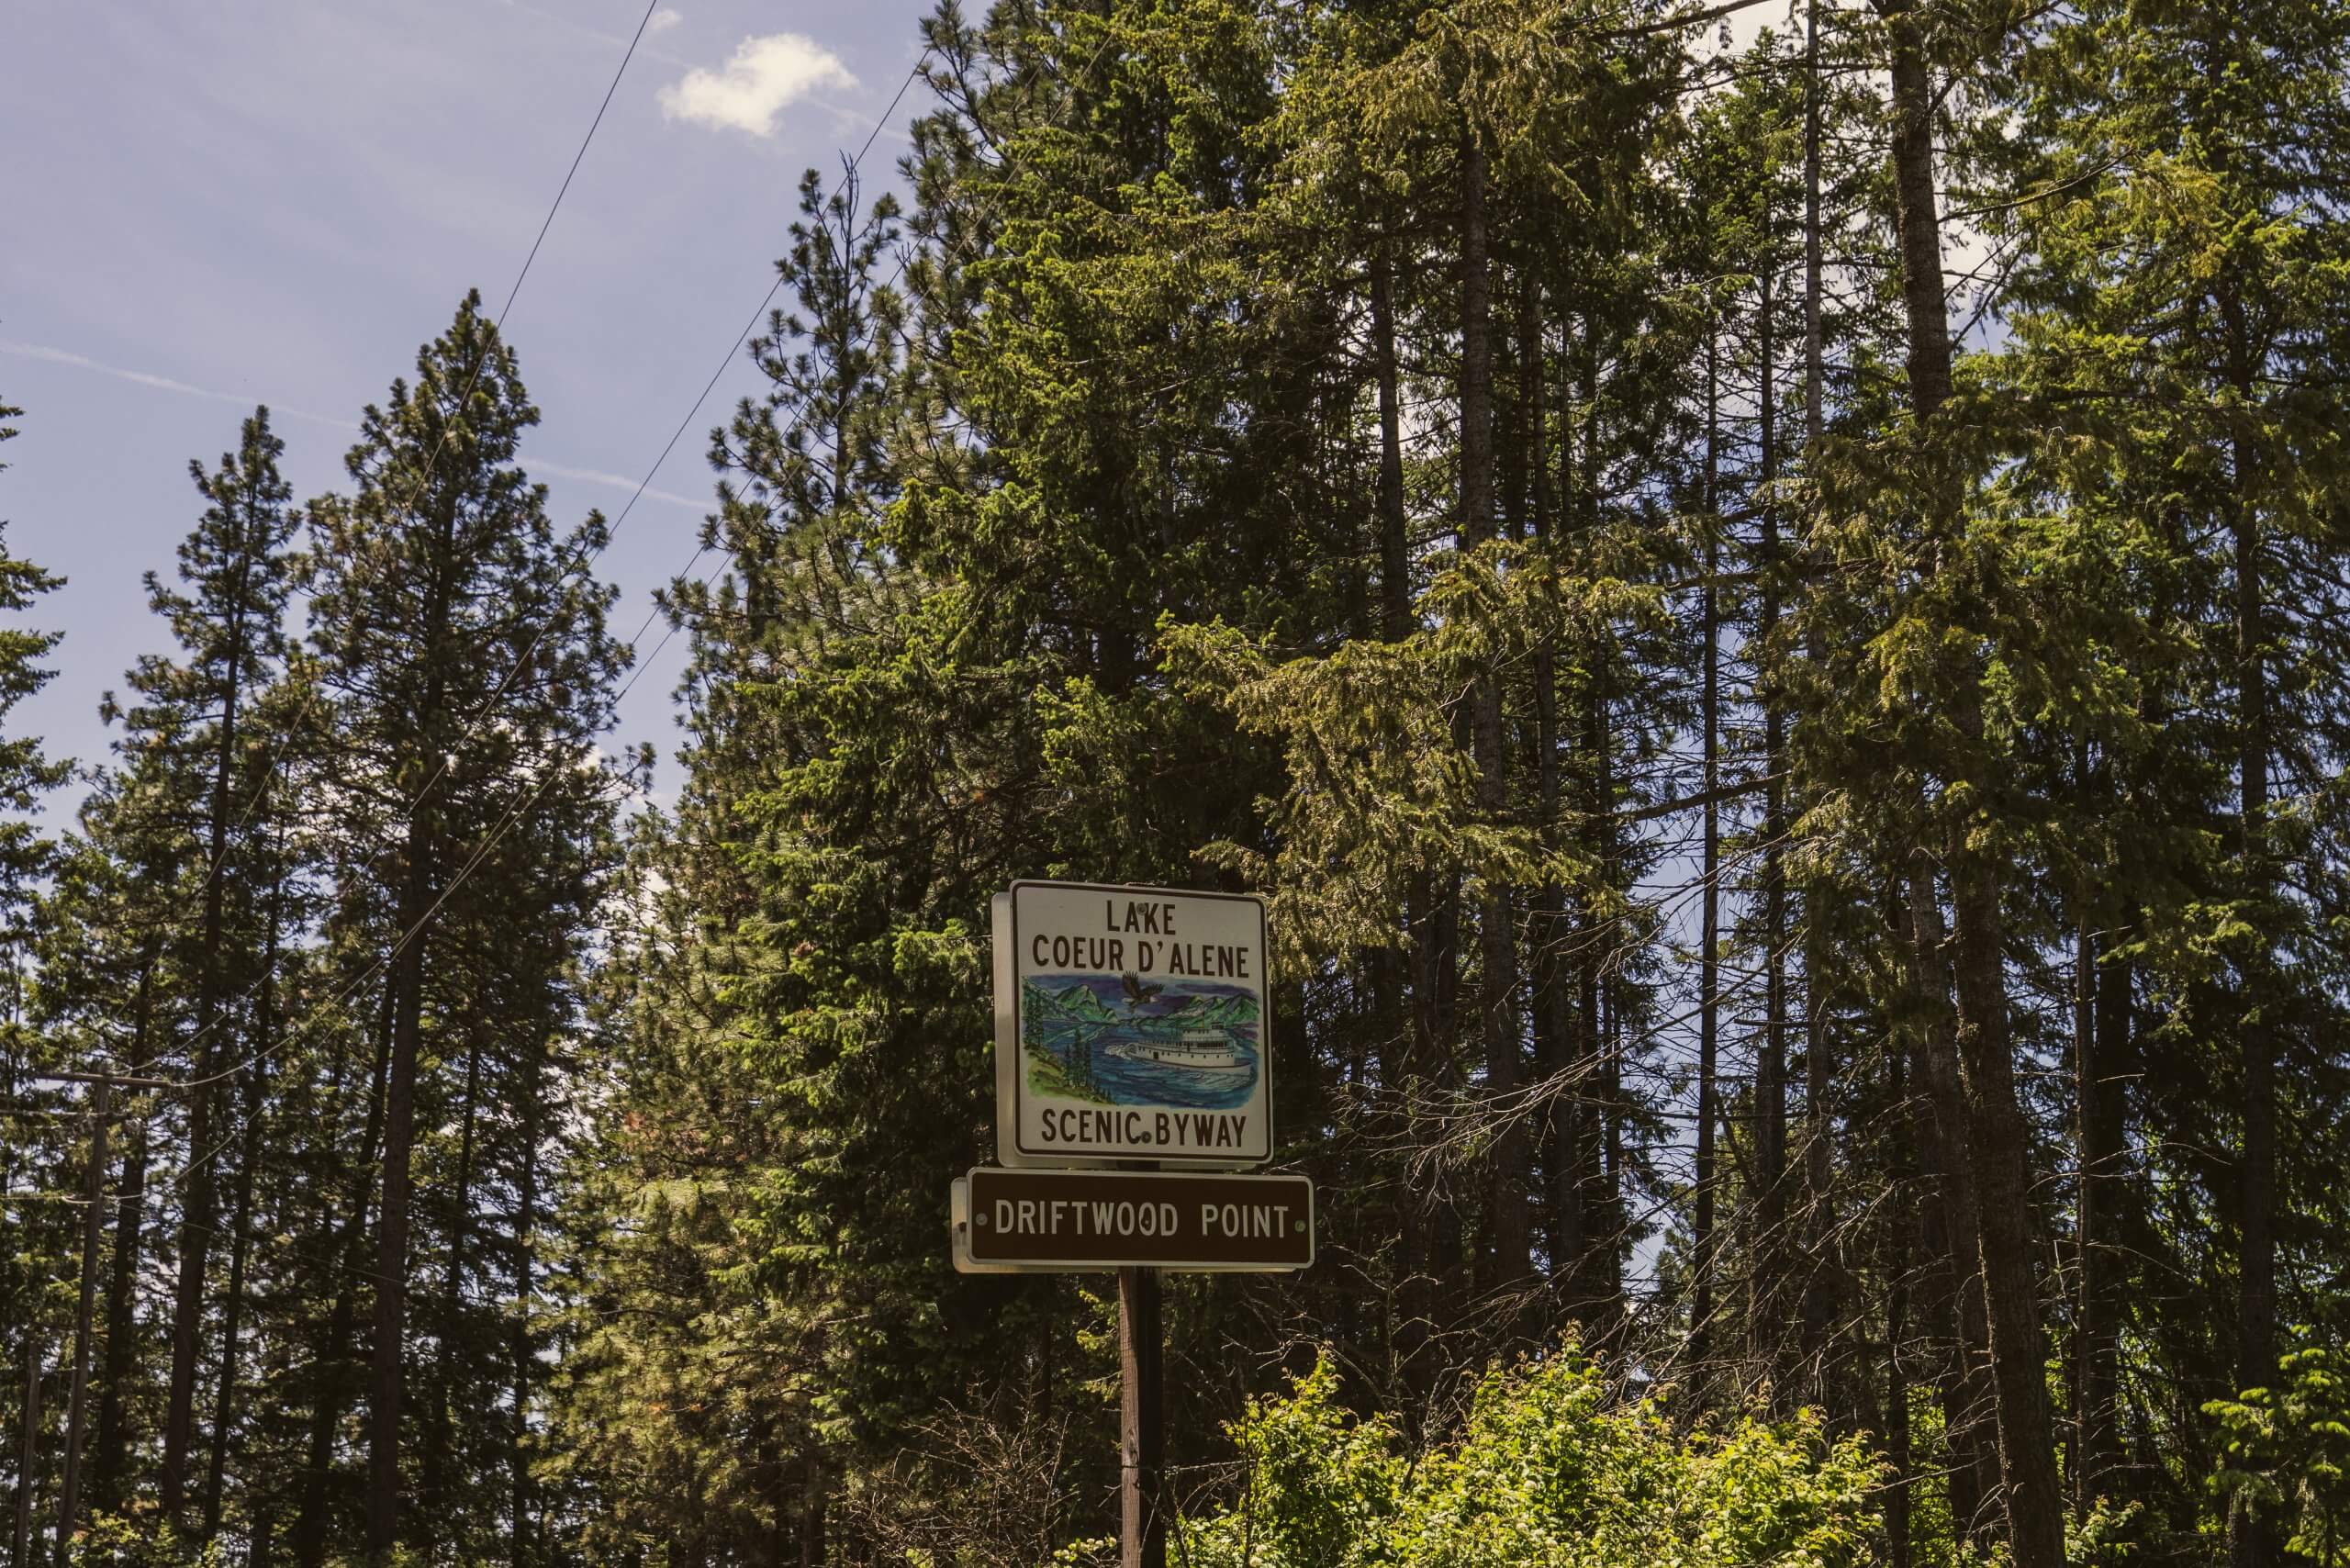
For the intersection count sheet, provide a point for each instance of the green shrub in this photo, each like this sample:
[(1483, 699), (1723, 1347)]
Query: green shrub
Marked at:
[(1548, 1469), (2285, 1451)]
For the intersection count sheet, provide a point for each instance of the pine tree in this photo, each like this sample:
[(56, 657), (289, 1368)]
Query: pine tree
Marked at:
[(25, 773), (106, 971), (465, 653), (229, 626), (30, 1231)]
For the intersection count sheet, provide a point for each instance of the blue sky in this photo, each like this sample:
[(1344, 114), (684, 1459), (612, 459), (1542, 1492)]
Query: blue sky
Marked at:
[(214, 203), (209, 205)]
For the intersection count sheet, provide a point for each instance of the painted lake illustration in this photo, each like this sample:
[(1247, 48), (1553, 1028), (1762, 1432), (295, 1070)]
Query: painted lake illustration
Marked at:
[(1122, 1040)]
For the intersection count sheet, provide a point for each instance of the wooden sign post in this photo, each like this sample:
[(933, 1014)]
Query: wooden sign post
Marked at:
[(1130, 1037), (1142, 1422)]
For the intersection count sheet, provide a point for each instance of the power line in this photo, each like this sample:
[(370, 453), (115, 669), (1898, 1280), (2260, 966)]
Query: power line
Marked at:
[(554, 769), (642, 665), (416, 490), (522, 659), (424, 476), (728, 553)]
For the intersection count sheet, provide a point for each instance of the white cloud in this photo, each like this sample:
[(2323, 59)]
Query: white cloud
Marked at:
[(667, 16), (764, 76)]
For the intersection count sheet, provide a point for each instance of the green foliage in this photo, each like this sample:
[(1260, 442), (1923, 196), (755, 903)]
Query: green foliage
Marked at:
[(119, 1540), (1610, 709), (33, 1299), (1550, 1469), (25, 773), (2285, 1452), (1381, 785)]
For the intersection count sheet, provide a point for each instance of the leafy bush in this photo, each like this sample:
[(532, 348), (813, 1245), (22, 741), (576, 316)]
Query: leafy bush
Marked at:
[(1548, 1469), (2285, 1451), (139, 1541)]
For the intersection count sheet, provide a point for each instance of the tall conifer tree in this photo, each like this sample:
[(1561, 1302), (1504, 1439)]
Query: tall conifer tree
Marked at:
[(464, 652)]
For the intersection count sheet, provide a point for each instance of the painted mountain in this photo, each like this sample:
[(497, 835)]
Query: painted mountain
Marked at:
[(1210, 1012), (1076, 1003)]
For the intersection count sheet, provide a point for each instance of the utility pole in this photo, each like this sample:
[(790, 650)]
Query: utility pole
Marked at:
[(1142, 1431), (77, 1406)]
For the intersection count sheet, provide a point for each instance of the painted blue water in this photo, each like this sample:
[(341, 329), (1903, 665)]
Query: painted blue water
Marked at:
[(1127, 1081)]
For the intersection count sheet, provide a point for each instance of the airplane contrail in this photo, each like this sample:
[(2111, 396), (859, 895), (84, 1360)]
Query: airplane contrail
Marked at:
[(49, 355)]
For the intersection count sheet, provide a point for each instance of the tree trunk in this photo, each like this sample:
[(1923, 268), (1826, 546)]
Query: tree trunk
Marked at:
[(1618, 1209), (203, 1202), (1925, 309), (1768, 1312), (1948, 1219), (1436, 977), (526, 1211), (1601, 1219), (110, 1468), (416, 901), (312, 1524), (1437, 992), (1822, 1301), (1701, 1237), (812, 1546), (2251, 1543), (224, 1404), (440, 1438), (1573, 1009), (392, 1222), (1562, 1230), (28, 1447), (2003, 1186), (1999, 1154), (2102, 1049), (1815, 338), (1897, 1457), (1394, 559), (1408, 1343), (240, 1236), (1900, 1501), (2104, 1070), (1497, 939), (1476, 520), (93, 1233)]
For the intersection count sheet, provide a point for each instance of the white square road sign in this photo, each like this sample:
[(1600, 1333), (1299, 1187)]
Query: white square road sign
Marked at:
[(1130, 1025)]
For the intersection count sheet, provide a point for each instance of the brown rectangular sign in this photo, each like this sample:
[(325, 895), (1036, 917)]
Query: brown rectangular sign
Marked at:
[(1108, 1219)]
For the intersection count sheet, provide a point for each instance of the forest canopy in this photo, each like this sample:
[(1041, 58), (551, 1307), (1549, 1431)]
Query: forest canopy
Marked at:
[(1768, 620)]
